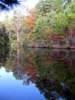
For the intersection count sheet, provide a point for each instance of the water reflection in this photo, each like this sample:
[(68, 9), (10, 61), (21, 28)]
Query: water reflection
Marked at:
[(38, 74), (12, 89)]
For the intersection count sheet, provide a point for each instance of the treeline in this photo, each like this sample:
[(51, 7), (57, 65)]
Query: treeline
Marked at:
[(55, 24), (50, 24)]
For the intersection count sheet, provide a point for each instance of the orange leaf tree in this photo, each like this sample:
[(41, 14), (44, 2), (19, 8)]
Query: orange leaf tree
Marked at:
[(31, 20)]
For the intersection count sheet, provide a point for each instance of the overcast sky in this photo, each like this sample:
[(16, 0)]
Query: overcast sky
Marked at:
[(28, 4)]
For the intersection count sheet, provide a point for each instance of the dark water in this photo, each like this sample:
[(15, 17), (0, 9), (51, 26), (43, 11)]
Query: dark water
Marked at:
[(37, 74)]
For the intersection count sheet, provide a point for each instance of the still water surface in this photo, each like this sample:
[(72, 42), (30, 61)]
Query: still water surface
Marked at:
[(37, 74)]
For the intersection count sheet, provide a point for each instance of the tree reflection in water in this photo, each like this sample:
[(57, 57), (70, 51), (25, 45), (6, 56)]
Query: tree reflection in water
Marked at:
[(52, 71)]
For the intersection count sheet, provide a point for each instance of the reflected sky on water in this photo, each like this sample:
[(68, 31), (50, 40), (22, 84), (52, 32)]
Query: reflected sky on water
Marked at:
[(12, 89)]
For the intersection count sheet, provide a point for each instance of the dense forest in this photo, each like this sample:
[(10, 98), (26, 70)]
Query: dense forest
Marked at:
[(50, 24)]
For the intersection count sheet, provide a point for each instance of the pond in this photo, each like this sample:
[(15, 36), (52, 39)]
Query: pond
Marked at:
[(37, 74)]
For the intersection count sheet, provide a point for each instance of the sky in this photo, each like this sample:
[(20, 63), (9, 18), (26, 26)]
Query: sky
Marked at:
[(28, 4)]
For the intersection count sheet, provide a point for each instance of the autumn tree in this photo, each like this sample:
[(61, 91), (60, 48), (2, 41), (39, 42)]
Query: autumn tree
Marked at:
[(30, 20)]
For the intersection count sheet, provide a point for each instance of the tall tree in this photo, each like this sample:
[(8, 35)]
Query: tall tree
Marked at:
[(31, 20)]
